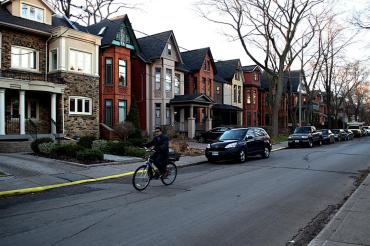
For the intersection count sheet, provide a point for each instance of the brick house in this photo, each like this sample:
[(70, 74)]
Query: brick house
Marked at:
[(229, 82), (118, 45), (48, 74), (251, 100), (158, 72), (194, 106)]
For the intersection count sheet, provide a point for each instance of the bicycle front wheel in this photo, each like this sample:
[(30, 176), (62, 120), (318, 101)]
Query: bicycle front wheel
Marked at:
[(171, 174), (141, 178)]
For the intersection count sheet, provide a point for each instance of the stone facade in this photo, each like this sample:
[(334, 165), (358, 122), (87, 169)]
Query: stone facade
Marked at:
[(85, 86), (16, 38)]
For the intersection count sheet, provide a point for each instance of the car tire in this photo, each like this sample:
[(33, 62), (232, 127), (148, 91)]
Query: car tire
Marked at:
[(266, 153), (310, 143), (210, 160), (242, 156), (290, 145)]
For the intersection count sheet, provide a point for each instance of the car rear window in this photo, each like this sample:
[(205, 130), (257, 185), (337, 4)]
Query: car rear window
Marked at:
[(302, 130), (234, 134), (354, 127)]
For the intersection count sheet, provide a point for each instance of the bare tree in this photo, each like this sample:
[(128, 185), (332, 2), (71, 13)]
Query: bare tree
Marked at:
[(361, 19), (91, 11), (278, 29)]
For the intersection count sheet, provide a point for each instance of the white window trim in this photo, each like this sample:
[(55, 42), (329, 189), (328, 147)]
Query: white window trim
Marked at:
[(82, 51), (32, 5), (22, 68), (51, 60), (83, 105)]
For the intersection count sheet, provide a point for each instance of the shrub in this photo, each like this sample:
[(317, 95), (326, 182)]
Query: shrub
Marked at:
[(135, 142), (124, 130), (134, 151), (116, 148), (36, 142), (65, 150), (89, 155), (101, 145), (46, 148), (86, 141)]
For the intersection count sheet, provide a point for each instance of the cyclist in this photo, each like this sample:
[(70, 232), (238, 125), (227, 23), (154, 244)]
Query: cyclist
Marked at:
[(160, 146)]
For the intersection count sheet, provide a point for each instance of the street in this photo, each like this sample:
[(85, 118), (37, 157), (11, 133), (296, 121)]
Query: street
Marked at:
[(259, 202)]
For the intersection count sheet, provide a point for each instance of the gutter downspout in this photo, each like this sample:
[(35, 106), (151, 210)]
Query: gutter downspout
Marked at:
[(46, 58)]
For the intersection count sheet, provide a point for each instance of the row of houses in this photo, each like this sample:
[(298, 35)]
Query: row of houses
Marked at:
[(58, 78)]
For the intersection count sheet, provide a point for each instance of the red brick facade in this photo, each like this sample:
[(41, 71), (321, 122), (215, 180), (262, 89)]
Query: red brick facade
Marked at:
[(252, 81)]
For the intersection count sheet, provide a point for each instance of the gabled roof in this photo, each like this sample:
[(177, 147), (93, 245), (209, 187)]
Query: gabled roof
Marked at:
[(251, 68), (218, 78), (112, 27), (196, 98), (227, 69), (152, 46), (194, 59), (43, 1), (291, 80)]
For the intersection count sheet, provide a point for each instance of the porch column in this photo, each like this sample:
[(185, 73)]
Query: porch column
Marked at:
[(22, 107), (240, 118), (172, 112), (182, 119), (53, 113), (209, 119), (191, 123), (2, 111)]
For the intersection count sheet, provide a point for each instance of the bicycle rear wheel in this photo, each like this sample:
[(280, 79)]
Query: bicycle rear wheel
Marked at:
[(141, 178), (172, 174)]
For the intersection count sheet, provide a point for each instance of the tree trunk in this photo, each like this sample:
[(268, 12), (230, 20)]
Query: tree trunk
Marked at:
[(276, 104)]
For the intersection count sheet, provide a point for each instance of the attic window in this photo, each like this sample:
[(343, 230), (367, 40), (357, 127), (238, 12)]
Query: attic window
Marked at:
[(102, 30), (32, 13), (169, 49)]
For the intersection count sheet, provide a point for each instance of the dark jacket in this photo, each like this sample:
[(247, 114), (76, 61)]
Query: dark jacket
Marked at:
[(160, 144)]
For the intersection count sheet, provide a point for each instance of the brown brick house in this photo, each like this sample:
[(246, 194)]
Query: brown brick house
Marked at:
[(252, 82)]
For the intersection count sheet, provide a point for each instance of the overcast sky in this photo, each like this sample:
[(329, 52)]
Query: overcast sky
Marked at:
[(193, 32)]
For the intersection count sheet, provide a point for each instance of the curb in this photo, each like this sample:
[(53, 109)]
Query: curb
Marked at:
[(24, 191)]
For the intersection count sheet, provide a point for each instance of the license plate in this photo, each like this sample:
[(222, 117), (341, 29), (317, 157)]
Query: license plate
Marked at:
[(214, 153), (296, 141)]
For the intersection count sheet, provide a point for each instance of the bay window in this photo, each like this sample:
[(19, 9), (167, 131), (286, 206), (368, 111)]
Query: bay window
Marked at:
[(79, 61), (23, 58), (122, 72)]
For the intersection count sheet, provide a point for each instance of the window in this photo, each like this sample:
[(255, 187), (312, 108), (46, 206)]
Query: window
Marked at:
[(177, 84), (24, 58), (157, 78), (80, 105), (195, 89), (255, 76), (254, 97), (237, 75), (122, 72), (168, 115), (204, 85), (108, 71), (102, 30), (249, 119), (122, 111), (54, 60), (122, 36), (235, 93), (32, 111), (248, 97), (169, 49), (239, 94), (79, 61), (218, 90), (208, 66), (157, 114), (168, 79), (32, 13), (209, 87), (15, 108), (108, 108)]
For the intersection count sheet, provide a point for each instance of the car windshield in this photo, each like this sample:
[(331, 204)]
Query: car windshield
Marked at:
[(324, 131), (335, 130), (353, 127), (234, 134), (302, 130)]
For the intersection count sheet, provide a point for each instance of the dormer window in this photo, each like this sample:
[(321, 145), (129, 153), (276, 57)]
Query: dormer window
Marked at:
[(102, 30), (169, 49), (32, 13), (255, 75)]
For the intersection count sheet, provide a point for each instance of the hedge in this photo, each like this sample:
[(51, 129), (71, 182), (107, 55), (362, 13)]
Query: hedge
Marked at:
[(35, 144)]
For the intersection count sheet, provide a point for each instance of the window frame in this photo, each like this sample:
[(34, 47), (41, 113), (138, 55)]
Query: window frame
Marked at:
[(125, 72), (125, 110), (157, 80), (177, 85), (28, 16), (84, 99), (85, 53), (106, 82), (51, 53), (239, 94), (28, 51), (168, 80), (169, 49)]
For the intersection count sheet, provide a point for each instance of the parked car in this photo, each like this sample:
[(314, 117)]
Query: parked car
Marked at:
[(305, 135), (350, 134), (366, 130), (327, 136), (237, 144), (339, 135), (212, 135), (356, 129)]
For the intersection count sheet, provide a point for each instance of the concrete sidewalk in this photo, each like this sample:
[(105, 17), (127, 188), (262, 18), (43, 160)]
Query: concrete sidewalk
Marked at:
[(351, 224), (26, 171)]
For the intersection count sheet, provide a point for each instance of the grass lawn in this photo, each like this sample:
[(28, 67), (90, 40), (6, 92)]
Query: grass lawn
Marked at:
[(279, 138)]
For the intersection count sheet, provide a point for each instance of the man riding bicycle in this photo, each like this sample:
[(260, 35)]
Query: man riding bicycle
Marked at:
[(160, 146)]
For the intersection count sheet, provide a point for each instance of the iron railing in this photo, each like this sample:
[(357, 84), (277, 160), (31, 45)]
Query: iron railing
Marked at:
[(12, 124)]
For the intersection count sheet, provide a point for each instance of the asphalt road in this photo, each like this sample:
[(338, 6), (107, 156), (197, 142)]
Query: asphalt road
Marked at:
[(260, 202)]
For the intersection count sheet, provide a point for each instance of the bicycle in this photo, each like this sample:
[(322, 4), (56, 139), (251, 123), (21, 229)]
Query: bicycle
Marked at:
[(145, 173)]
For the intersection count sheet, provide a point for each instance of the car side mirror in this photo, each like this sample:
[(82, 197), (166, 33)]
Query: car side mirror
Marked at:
[(249, 137)]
